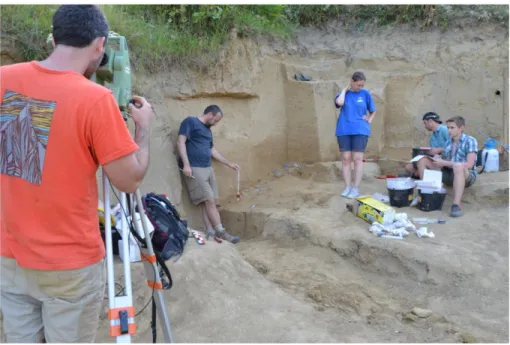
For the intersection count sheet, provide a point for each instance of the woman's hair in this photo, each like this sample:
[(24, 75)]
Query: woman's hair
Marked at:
[(357, 76)]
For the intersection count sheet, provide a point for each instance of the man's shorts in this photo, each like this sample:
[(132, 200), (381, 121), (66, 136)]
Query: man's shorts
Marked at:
[(55, 306), (203, 186), (448, 177), (352, 143)]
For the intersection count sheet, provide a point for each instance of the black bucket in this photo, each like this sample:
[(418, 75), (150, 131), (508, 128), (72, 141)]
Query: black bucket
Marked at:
[(430, 201), (401, 197)]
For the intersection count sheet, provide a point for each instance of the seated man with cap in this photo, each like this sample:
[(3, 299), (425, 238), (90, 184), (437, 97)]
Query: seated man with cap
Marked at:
[(437, 140)]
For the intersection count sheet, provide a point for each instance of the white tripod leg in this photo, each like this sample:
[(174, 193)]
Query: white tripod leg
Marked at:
[(151, 270), (121, 314)]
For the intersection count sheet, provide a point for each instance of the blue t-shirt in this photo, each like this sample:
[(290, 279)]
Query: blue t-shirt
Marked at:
[(439, 137), (356, 105), (199, 142)]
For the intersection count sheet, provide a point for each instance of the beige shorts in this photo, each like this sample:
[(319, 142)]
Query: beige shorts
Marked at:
[(55, 306), (203, 186)]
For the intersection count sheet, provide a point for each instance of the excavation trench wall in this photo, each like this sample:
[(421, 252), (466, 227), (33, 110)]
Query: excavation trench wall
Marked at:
[(270, 118)]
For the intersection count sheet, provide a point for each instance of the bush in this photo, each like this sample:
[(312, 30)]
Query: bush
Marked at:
[(160, 35)]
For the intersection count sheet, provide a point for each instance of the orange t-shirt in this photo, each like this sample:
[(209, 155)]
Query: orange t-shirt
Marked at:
[(56, 128)]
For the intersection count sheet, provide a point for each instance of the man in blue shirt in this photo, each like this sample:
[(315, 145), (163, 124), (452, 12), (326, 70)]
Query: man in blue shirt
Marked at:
[(457, 162), (437, 140), (353, 129), (196, 148)]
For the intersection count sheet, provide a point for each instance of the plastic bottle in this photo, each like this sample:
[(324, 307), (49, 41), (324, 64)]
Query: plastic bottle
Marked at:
[(490, 156)]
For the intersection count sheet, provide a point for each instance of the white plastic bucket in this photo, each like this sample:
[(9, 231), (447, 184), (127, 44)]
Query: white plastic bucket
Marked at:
[(400, 183)]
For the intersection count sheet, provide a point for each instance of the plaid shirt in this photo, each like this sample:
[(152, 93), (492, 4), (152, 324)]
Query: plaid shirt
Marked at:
[(465, 145)]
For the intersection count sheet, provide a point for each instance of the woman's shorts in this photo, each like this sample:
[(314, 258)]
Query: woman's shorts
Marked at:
[(352, 143)]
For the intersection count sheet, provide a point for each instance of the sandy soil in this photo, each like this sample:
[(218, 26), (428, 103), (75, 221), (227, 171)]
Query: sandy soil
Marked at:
[(316, 250), (307, 270)]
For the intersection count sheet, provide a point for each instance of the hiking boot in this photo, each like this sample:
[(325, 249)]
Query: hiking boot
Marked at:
[(456, 211), (209, 233), (224, 235)]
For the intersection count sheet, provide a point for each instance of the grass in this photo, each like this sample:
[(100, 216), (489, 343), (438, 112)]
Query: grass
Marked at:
[(193, 35)]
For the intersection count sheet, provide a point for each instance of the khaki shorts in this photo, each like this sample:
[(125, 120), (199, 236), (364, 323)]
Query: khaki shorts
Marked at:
[(448, 177), (203, 186), (56, 306)]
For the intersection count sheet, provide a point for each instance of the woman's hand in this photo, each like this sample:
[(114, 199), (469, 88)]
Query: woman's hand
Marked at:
[(368, 118)]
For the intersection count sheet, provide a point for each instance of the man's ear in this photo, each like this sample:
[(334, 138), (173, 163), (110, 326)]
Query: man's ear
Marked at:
[(99, 44)]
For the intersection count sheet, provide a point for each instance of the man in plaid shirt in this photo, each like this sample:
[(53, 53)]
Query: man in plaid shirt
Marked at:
[(457, 162)]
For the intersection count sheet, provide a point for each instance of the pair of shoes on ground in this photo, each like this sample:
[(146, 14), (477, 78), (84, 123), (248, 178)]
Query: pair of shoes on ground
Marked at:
[(224, 235), (350, 192)]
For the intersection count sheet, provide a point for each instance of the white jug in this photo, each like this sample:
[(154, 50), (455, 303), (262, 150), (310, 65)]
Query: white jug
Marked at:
[(490, 157)]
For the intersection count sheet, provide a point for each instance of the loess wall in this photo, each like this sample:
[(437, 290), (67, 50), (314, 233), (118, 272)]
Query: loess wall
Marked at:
[(270, 118)]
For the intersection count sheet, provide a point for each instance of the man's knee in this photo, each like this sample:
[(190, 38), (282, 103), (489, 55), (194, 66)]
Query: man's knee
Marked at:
[(423, 163), (459, 168)]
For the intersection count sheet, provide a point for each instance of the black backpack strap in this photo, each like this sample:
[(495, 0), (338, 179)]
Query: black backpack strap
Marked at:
[(484, 162), (153, 321), (165, 269)]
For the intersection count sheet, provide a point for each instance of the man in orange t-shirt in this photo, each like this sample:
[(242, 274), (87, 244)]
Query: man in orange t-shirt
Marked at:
[(56, 128)]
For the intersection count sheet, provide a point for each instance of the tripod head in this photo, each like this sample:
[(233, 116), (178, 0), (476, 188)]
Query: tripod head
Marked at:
[(114, 72)]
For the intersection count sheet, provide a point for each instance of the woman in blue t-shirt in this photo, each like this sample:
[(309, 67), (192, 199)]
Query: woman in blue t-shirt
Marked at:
[(353, 129)]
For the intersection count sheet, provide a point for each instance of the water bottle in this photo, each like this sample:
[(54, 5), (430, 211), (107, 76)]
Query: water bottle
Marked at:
[(490, 156)]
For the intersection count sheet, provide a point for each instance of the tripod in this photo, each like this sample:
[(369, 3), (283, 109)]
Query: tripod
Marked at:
[(121, 313)]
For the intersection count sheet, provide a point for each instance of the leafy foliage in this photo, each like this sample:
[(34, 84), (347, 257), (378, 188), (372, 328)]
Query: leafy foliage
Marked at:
[(160, 35)]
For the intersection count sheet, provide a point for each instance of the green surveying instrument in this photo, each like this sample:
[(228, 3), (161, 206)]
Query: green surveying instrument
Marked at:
[(114, 73)]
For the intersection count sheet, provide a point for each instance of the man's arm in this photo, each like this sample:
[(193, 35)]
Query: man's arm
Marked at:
[(127, 173), (125, 161), (218, 156), (436, 151), (181, 146), (469, 164)]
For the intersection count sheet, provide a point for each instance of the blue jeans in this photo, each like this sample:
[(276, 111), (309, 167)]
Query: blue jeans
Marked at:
[(352, 143)]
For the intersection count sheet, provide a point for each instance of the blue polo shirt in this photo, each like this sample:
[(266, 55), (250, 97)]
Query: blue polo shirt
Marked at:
[(439, 137), (356, 105)]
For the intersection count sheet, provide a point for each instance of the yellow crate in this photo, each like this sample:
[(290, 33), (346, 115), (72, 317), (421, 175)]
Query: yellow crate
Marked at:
[(371, 210)]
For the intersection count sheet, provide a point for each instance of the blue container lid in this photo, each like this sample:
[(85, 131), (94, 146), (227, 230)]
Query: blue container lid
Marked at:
[(490, 144)]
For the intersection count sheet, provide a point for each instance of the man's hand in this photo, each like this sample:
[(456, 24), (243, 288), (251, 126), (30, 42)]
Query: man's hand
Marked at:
[(347, 88), (187, 170), (368, 118), (233, 166), (440, 162), (434, 152), (141, 112)]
